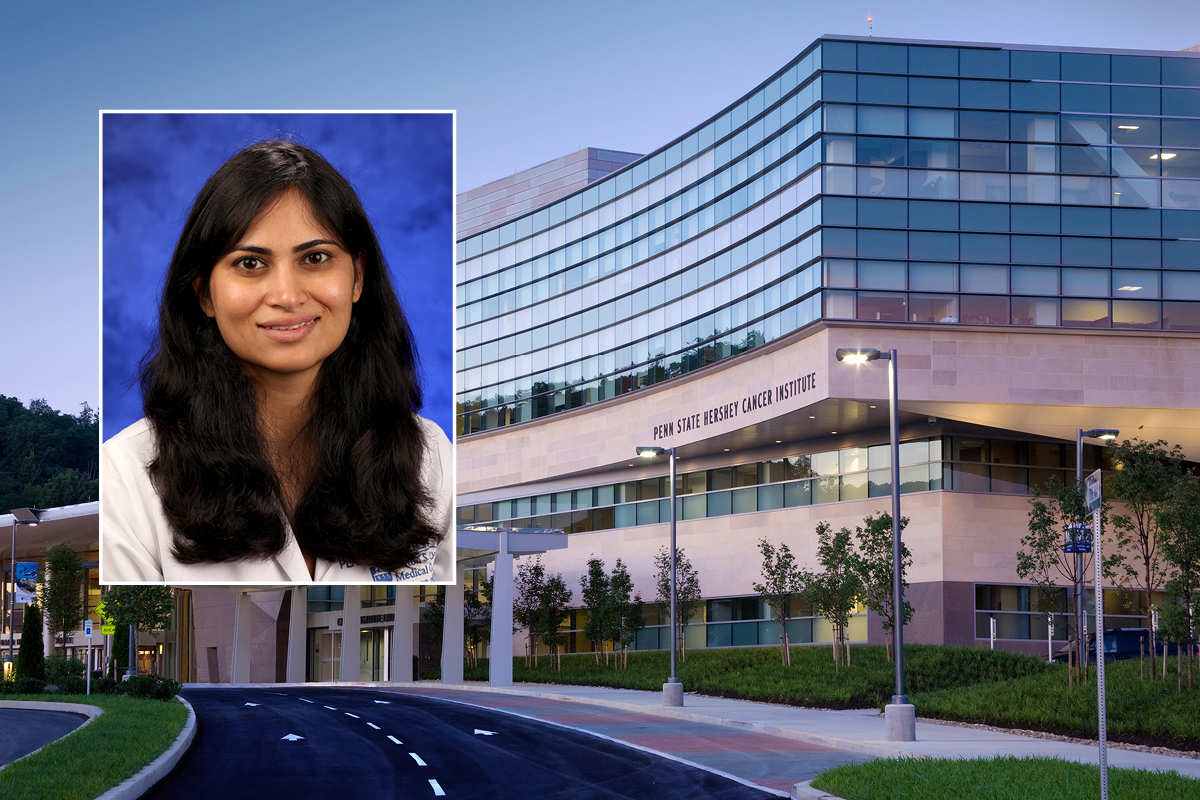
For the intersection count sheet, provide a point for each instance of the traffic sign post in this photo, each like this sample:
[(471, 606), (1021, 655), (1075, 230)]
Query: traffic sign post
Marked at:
[(1092, 497), (87, 631)]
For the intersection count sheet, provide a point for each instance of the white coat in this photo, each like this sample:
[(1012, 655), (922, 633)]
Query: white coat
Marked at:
[(135, 537)]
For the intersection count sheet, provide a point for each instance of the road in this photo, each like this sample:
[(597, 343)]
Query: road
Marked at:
[(24, 730), (327, 742)]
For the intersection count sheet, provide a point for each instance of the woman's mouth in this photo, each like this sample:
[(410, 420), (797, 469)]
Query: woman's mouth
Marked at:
[(289, 329)]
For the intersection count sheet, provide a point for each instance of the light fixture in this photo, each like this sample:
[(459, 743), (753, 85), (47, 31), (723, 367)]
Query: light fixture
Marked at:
[(1128, 127), (872, 406), (672, 689), (856, 355), (810, 416), (1107, 434), (1164, 156), (1129, 289), (900, 713)]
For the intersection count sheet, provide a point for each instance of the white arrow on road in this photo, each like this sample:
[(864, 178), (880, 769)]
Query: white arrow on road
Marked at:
[(291, 737), (252, 704), (485, 733), (384, 702)]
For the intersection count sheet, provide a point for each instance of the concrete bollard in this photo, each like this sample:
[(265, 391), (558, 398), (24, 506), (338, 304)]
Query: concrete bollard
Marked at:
[(901, 721), (673, 694)]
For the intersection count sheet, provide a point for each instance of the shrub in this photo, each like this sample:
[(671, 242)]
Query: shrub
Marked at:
[(73, 684), (51, 688), (151, 686), (59, 668), (30, 686), (105, 686), (8, 687)]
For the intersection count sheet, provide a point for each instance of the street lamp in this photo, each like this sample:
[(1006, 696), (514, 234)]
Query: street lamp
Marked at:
[(21, 516), (672, 689), (900, 714), (1081, 527)]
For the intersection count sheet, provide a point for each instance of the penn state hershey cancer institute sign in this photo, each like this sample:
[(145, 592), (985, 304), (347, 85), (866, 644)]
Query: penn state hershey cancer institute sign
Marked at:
[(741, 409)]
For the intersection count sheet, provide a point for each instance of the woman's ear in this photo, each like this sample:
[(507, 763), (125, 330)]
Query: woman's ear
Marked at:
[(200, 287), (358, 276)]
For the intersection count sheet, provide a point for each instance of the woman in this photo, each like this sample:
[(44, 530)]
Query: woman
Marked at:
[(281, 441)]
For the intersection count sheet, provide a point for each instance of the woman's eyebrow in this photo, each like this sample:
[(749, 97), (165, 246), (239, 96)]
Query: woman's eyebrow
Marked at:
[(315, 243), (266, 251)]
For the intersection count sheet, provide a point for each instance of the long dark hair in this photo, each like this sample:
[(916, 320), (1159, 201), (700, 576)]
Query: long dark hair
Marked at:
[(365, 503)]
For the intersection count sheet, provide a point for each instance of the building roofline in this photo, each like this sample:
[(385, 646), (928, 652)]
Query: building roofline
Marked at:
[(1047, 48)]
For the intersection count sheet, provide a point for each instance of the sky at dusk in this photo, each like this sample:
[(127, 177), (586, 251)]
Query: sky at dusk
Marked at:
[(530, 81)]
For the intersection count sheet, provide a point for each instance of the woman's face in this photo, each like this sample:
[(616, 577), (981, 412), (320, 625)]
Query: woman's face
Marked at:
[(282, 297)]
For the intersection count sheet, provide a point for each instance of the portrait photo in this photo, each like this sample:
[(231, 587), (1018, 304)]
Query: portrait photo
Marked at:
[(277, 323)]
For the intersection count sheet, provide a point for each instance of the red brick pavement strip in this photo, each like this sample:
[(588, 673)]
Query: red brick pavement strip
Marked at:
[(581, 716)]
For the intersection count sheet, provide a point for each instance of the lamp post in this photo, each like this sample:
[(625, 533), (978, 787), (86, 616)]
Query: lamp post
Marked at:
[(21, 516), (899, 714), (672, 689), (1107, 434)]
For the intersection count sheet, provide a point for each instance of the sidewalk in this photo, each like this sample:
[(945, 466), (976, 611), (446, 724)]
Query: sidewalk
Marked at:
[(858, 732)]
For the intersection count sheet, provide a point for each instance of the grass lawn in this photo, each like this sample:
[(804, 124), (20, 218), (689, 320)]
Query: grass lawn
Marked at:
[(1142, 712), (755, 673), (1004, 778), (126, 737)]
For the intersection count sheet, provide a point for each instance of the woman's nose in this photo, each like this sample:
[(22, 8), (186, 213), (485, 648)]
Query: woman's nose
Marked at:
[(286, 288)]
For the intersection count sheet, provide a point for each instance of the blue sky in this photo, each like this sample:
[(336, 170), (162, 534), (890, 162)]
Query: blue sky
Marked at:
[(530, 81)]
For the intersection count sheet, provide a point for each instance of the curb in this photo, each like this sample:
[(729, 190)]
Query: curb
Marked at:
[(803, 791), (91, 712), (849, 745), (159, 768)]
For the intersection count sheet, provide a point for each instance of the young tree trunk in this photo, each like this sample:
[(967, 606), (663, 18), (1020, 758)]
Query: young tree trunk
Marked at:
[(596, 652), (682, 645), (785, 650)]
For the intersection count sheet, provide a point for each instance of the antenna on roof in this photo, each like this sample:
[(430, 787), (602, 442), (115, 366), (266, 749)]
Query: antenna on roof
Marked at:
[(870, 23)]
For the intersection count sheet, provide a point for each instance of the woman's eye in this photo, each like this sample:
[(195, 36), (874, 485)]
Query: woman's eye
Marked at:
[(249, 263), (316, 258)]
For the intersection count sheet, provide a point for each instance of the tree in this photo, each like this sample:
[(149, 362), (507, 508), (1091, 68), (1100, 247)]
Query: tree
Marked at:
[(529, 584), (688, 600), (1179, 522), (434, 618), (146, 608), (594, 592), (139, 608), (1144, 478), (477, 619), (873, 564), (553, 609), (62, 592), (31, 656), (834, 591), (1042, 559), (783, 580), (624, 619)]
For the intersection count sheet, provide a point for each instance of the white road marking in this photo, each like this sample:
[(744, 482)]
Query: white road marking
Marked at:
[(437, 788), (373, 725), (485, 733), (331, 708), (417, 759), (394, 739), (291, 737), (306, 701), (255, 705), (348, 714), (384, 702)]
